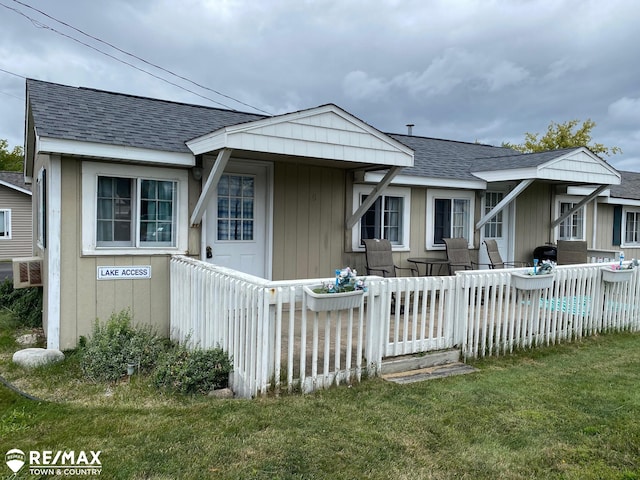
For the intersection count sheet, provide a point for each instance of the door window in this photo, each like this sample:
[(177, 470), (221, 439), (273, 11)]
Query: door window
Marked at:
[(236, 201), (493, 228)]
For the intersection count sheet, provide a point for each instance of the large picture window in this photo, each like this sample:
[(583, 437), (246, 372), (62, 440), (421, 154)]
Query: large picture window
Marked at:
[(131, 209), (449, 215), (387, 218)]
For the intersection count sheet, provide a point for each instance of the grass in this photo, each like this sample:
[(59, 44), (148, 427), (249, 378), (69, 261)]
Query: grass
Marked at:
[(567, 412)]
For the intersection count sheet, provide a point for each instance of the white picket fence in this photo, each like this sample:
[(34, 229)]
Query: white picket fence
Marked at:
[(278, 343)]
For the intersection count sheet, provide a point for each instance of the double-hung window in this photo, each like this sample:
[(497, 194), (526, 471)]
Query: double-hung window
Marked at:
[(5, 224), (572, 227), (632, 227), (449, 215), (135, 212), (132, 209), (387, 218)]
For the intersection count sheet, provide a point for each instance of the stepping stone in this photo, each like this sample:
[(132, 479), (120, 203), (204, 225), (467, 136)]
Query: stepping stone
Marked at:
[(36, 357), (430, 373)]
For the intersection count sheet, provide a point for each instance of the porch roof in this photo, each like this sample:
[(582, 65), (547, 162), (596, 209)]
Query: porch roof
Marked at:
[(326, 132), (575, 165), (445, 163)]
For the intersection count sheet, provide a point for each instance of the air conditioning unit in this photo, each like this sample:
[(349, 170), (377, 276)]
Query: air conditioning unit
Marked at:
[(27, 272)]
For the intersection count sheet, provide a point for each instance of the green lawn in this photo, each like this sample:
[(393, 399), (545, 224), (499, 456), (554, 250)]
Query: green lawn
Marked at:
[(565, 412)]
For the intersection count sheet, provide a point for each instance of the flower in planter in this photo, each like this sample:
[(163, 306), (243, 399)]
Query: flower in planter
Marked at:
[(632, 264), (346, 281), (543, 268)]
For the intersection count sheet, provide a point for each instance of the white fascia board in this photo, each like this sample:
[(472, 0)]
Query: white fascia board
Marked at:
[(513, 174), (113, 152), (15, 187), (411, 180), (210, 142), (620, 201), (583, 191), (586, 178)]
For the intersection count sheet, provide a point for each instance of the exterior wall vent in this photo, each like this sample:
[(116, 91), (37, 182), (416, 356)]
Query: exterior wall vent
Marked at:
[(27, 272)]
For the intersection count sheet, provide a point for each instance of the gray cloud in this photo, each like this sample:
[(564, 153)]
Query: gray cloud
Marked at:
[(466, 70)]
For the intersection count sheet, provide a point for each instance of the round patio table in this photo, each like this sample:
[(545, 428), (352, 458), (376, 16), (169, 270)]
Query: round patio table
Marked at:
[(429, 262)]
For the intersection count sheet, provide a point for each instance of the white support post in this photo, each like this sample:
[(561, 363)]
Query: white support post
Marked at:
[(210, 185), (373, 196), (53, 232)]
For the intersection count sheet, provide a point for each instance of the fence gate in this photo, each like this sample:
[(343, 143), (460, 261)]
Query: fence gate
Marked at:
[(419, 315)]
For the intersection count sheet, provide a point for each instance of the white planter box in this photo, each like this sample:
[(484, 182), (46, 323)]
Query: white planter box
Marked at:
[(323, 302), (614, 276), (523, 281)]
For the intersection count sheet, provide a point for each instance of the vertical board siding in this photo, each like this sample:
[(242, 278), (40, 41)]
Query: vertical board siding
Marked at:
[(84, 299), (308, 216), (532, 229)]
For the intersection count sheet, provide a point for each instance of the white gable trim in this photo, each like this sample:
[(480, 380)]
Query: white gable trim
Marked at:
[(577, 166), (15, 187), (326, 132), (112, 152)]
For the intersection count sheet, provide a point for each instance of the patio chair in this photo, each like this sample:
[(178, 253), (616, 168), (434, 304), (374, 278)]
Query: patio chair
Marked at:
[(380, 259), (458, 255), (495, 258), (380, 262), (571, 252)]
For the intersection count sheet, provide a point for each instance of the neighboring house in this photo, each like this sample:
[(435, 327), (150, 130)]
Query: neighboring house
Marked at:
[(15, 216), (122, 182)]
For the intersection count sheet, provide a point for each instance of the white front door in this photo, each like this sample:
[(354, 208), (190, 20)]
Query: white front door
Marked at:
[(497, 228), (237, 220)]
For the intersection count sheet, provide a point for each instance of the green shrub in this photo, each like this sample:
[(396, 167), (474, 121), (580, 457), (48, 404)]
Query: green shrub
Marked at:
[(24, 303), (193, 371), (116, 343)]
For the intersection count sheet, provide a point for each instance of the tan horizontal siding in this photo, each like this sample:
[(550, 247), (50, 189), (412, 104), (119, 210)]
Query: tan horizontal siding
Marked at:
[(20, 243)]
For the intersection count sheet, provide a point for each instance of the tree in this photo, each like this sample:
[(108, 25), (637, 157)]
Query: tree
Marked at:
[(562, 135), (10, 160)]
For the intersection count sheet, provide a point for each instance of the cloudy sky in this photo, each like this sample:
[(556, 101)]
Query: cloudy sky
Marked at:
[(470, 70)]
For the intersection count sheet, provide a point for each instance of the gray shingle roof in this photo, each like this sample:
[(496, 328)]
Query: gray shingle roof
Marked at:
[(89, 115), (629, 186), (437, 158), (14, 178), (519, 160)]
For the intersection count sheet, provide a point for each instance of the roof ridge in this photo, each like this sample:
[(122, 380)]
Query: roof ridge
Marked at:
[(142, 97), (445, 140)]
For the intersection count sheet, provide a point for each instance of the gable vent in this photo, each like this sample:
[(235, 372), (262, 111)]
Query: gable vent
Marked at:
[(27, 272)]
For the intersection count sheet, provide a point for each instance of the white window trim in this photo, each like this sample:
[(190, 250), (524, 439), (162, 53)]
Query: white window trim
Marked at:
[(405, 193), (570, 199), (432, 195), (90, 173), (623, 227), (7, 223)]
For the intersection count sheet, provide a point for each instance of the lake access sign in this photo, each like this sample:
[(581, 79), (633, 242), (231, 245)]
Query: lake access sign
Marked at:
[(134, 272)]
